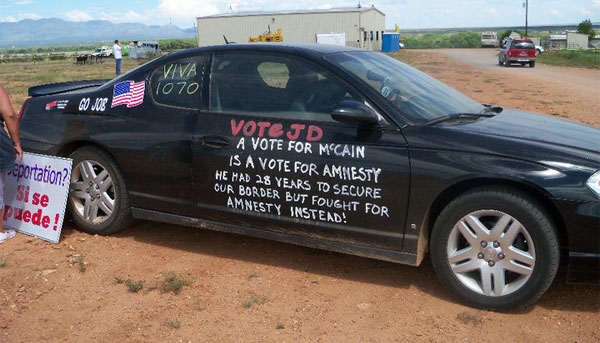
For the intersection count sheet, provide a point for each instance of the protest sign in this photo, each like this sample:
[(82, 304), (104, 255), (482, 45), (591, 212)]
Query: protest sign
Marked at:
[(35, 195)]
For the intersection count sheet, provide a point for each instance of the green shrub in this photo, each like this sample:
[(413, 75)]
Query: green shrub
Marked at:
[(438, 41), (57, 57)]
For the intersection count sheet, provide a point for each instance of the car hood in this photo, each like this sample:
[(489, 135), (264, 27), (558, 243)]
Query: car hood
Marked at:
[(538, 128), (521, 135)]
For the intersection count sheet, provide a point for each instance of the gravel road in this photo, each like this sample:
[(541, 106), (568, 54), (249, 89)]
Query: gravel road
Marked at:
[(576, 79)]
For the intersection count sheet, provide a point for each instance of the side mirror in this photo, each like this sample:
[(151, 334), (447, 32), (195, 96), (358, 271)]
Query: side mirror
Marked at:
[(349, 111)]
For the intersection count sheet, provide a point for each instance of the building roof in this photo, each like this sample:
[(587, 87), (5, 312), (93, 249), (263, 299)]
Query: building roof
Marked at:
[(558, 37), (287, 12)]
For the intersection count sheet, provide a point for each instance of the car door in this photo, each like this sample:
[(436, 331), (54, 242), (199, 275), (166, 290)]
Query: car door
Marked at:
[(154, 148), (267, 154)]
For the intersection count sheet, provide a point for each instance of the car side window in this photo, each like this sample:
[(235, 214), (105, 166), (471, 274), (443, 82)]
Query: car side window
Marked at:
[(178, 83), (279, 86)]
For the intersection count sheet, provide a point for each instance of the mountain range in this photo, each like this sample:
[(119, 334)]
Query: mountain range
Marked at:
[(55, 31)]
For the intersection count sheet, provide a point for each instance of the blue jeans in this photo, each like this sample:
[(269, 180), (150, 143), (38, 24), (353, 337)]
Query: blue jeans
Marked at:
[(118, 69)]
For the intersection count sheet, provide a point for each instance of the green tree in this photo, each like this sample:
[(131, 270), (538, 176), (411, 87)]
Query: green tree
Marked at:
[(585, 27), (508, 32)]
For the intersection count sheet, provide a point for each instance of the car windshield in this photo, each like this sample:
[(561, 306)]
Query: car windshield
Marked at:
[(417, 96), (97, 50), (522, 45)]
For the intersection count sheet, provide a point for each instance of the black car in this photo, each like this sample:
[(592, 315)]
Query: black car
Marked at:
[(334, 148)]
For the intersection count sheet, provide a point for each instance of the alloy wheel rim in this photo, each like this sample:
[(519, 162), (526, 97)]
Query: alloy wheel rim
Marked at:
[(92, 192), (491, 253)]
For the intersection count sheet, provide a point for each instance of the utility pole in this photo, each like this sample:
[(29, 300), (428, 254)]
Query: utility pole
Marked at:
[(526, 14)]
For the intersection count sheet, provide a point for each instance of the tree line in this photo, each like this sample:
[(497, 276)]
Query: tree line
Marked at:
[(433, 41)]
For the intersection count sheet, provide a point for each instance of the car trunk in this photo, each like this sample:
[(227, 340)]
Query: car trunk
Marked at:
[(522, 49)]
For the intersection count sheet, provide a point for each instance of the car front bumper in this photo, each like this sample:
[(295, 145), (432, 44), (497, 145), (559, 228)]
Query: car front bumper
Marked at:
[(582, 221)]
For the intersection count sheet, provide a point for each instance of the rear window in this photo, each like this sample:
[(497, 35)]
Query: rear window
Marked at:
[(522, 45)]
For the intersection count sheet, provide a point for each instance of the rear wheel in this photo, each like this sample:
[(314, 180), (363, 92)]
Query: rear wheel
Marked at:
[(531, 64), (495, 248), (98, 197)]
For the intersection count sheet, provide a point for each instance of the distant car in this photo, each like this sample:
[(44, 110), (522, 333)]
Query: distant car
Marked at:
[(104, 51), (334, 148), (539, 49), (520, 51)]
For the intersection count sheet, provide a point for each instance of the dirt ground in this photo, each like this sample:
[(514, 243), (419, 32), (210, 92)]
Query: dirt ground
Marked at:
[(240, 289)]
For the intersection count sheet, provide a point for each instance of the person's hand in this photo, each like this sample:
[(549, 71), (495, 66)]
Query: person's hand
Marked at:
[(18, 153)]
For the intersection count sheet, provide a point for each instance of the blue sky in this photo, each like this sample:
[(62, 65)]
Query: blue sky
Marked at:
[(405, 13)]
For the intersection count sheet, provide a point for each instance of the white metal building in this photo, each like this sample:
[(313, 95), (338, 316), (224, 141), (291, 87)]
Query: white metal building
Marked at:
[(363, 26), (572, 40)]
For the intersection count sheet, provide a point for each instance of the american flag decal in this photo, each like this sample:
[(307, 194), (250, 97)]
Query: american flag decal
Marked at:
[(128, 93)]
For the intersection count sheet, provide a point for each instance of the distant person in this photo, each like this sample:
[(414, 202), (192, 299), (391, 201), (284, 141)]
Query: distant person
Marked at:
[(117, 53), (8, 150)]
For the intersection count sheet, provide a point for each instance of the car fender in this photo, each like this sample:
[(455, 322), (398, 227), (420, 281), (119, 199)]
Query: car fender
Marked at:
[(438, 183)]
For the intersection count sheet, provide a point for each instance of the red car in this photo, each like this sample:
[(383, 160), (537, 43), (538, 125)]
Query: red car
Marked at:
[(518, 51)]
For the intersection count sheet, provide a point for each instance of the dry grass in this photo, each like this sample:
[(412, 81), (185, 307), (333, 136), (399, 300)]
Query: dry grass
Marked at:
[(19, 76)]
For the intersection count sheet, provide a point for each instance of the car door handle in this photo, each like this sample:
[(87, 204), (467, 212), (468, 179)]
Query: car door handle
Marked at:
[(214, 142)]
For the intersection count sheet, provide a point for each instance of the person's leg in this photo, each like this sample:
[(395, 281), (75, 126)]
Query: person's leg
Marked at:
[(4, 234), (118, 66), (2, 182)]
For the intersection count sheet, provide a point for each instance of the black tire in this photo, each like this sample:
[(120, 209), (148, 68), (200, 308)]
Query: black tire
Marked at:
[(464, 273), (506, 63), (531, 64), (111, 204)]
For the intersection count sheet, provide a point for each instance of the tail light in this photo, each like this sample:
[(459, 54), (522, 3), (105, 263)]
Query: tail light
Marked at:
[(510, 52), (23, 109), (533, 53)]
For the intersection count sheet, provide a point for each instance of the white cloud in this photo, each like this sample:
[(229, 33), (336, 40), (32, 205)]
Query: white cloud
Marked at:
[(25, 15), (596, 3), (555, 12), (324, 7), (129, 17), (133, 16), (8, 19), (22, 2), (585, 11), (491, 11), (188, 9), (77, 15)]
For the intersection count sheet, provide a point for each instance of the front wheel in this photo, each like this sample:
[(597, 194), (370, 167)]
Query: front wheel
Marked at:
[(98, 197), (495, 248)]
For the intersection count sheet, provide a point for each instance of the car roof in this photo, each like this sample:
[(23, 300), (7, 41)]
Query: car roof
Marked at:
[(310, 50)]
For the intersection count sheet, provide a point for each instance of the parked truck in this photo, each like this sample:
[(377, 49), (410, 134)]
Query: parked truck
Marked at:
[(489, 39)]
